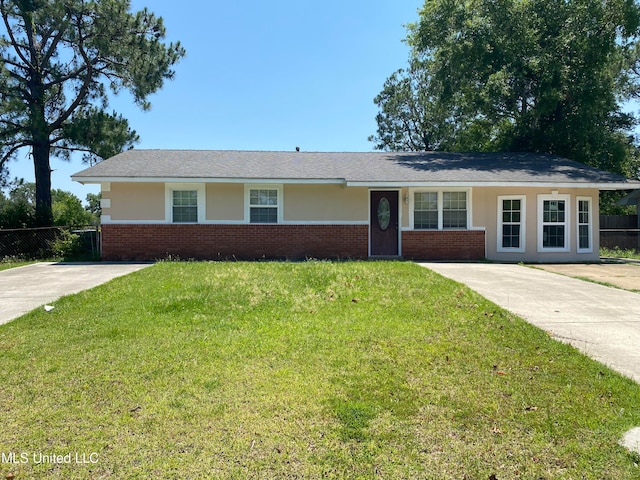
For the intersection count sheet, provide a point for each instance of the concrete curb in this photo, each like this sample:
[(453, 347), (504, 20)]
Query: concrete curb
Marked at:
[(631, 440)]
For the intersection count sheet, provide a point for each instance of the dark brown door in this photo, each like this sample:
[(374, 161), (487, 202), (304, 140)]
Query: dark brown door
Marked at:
[(383, 223)]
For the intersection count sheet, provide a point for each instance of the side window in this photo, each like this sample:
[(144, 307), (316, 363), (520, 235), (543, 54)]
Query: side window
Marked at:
[(511, 224), (585, 242)]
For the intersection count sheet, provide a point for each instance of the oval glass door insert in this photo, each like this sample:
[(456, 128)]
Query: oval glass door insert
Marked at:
[(384, 213)]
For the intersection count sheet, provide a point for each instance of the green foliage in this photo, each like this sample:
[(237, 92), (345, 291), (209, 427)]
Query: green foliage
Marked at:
[(541, 75), (411, 115), (60, 61), (101, 134), (619, 253), (93, 204), (68, 210), (18, 209), (67, 245)]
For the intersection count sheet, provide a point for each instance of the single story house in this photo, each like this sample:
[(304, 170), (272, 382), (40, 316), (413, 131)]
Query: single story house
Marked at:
[(415, 205)]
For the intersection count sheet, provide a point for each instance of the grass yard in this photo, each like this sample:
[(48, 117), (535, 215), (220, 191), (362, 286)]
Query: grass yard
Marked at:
[(6, 264), (302, 370)]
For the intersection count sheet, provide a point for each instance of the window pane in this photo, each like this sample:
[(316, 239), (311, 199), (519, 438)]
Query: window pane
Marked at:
[(553, 211), (511, 236), (185, 206), (553, 236), (454, 219), (263, 197), (583, 211), (263, 215), (583, 236), (426, 201), (454, 200), (426, 220)]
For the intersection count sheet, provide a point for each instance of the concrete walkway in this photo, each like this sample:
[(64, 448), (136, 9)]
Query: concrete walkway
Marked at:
[(24, 288), (603, 322)]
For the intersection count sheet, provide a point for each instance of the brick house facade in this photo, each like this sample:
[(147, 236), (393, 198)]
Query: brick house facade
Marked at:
[(294, 205)]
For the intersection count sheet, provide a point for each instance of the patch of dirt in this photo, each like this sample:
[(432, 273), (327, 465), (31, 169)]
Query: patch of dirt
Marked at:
[(622, 275)]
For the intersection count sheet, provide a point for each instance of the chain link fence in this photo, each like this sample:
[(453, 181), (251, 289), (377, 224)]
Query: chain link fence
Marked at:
[(71, 243)]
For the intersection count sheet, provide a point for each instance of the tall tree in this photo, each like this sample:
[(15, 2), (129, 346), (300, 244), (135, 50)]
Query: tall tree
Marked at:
[(527, 75), (411, 115), (60, 58)]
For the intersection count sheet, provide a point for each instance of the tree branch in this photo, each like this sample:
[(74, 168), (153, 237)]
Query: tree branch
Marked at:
[(52, 48), (84, 89), (6, 156), (14, 42), (72, 149)]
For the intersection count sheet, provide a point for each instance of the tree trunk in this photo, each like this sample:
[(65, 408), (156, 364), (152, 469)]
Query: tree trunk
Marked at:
[(44, 214)]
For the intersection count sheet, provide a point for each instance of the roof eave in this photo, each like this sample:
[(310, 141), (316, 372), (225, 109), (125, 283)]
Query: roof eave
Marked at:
[(597, 185), (340, 181), (97, 180)]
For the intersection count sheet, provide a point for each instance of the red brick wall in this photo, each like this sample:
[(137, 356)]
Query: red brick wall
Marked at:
[(443, 245), (207, 241)]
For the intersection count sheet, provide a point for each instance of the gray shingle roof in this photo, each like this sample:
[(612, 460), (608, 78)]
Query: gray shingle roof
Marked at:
[(374, 168)]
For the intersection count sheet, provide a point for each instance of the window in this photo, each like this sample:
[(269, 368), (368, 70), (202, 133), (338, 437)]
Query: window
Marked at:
[(437, 210), (184, 202), (511, 224), (185, 206), (584, 225), (553, 216), (454, 210), (425, 215), (263, 205)]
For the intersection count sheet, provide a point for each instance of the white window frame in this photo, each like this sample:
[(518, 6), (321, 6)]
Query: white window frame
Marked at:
[(440, 192), (589, 225), (247, 201), (567, 222), (523, 224), (168, 194)]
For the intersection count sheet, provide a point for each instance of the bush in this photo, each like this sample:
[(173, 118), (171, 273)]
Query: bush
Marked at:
[(67, 245)]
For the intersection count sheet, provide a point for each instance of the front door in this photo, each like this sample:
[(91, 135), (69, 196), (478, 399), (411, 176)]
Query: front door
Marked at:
[(383, 223)]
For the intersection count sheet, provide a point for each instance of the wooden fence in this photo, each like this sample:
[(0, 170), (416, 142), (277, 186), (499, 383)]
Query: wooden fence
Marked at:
[(620, 231)]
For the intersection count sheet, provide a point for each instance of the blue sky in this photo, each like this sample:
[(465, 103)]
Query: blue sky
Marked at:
[(265, 76)]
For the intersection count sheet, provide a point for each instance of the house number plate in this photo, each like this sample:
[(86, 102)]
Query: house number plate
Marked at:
[(384, 213)]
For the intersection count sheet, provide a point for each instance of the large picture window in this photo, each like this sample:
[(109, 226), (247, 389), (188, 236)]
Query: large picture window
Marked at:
[(438, 210), (511, 224), (553, 218)]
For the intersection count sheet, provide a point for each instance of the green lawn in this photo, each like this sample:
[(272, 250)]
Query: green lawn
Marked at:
[(6, 264), (302, 370)]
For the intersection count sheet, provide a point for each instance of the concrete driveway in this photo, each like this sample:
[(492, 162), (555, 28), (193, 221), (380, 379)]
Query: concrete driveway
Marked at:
[(24, 288), (603, 322)]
